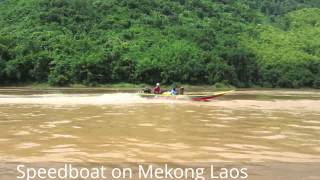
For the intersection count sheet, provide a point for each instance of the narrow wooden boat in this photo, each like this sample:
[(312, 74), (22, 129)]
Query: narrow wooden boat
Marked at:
[(192, 97)]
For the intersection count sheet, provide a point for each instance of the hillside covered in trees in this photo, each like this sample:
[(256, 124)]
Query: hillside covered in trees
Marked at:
[(268, 43)]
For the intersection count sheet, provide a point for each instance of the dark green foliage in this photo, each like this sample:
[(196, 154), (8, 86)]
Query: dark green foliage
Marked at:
[(316, 83), (271, 43), (244, 66), (60, 75), (285, 75), (219, 71)]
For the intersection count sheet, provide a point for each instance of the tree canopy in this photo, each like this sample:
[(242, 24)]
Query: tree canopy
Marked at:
[(268, 43)]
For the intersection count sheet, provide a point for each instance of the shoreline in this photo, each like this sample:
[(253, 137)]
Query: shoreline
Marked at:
[(45, 86), (121, 86)]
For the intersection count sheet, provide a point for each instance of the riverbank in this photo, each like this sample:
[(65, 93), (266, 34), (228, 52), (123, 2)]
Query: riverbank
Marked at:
[(122, 86)]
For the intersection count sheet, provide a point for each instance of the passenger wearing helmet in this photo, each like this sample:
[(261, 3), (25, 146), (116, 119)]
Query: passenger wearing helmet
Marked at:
[(157, 89)]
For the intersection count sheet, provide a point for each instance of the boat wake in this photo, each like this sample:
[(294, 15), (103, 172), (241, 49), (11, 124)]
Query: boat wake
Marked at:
[(81, 99), (132, 98)]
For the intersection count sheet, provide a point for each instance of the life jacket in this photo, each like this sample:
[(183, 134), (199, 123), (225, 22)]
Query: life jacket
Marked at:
[(157, 90), (173, 92)]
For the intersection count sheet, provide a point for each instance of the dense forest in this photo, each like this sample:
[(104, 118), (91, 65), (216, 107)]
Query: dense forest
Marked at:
[(245, 43)]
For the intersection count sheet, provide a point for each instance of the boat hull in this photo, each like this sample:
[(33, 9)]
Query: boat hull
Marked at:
[(192, 97)]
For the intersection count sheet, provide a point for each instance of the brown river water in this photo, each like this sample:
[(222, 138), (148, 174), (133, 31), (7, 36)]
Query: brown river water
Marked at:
[(114, 125)]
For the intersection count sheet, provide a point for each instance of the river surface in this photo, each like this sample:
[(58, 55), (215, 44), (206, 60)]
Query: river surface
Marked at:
[(119, 126)]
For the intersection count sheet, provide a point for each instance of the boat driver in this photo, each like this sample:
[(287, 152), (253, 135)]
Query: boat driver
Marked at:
[(157, 89)]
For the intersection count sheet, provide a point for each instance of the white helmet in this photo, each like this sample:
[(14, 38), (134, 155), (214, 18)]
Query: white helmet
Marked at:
[(158, 84)]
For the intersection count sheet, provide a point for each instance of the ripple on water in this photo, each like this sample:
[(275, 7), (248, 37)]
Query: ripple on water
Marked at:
[(60, 150), (146, 145), (81, 118), (262, 132), (162, 129), (10, 121), (304, 127), (2, 114), (132, 139), (114, 114), (247, 146), (47, 126), (274, 137), (118, 155), (312, 121), (146, 124), (67, 136), (60, 122), (204, 120), (178, 146), (217, 125), (35, 130), (223, 111), (63, 146), (76, 127), (233, 155), (285, 156), (22, 133), (27, 145), (317, 149), (33, 114), (167, 118), (274, 117), (275, 128), (53, 124), (294, 133), (190, 111), (104, 145), (215, 149), (165, 157), (4, 140), (220, 114), (228, 118), (96, 116)]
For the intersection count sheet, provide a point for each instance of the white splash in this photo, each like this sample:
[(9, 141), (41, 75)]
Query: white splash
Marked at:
[(80, 99)]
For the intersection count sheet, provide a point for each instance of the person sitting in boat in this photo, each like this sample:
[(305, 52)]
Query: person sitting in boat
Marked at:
[(181, 90), (173, 91), (157, 89)]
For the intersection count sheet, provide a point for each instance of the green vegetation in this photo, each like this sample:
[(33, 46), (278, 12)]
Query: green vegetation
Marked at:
[(245, 43)]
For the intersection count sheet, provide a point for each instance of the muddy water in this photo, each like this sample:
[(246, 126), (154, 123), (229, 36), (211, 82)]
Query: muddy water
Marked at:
[(108, 126)]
